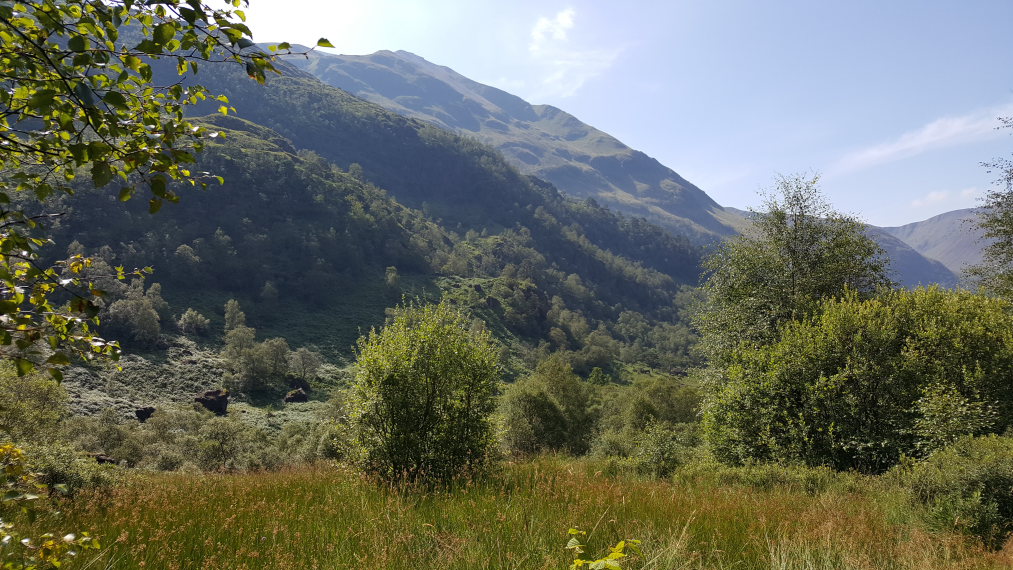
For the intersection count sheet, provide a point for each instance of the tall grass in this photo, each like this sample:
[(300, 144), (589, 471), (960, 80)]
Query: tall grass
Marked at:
[(325, 517)]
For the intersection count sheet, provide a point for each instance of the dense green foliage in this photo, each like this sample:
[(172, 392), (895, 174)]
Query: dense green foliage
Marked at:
[(866, 381), (798, 252), (550, 410), (421, 404), (32, 407), (967, 486), (21, 491)]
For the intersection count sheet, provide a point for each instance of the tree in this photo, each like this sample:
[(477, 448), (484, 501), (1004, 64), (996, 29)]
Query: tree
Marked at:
[(305, 363), (78, 100), (193, 323), (234, 315), (995, 274), (550, 410), (797, 252), (866, 382), (421, 402)]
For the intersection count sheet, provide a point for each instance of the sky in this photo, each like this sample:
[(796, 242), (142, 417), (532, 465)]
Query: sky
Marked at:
[(892, 102)]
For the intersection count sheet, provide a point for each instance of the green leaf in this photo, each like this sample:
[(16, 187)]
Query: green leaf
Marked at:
[(244, 43), (24, 366), (163, 33), (77, 43), (116, 99), (132, 62), (158, 186), (59, 359), (85, 94), (154, 205), (126, 193), (101, 173), (57, 374), (322, 42), (41, 99)]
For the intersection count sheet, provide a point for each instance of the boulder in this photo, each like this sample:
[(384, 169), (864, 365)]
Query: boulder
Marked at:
[(215, 401), (297, 395), (144, 413)]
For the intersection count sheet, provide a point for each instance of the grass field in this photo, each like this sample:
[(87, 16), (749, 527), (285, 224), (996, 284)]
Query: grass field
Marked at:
[(327, 517)]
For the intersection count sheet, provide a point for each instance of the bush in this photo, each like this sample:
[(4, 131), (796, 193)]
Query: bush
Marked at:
[(550, 410), (662, 447), (62, 465), (967, 486), (423, 395), (193, 323), (32, 408), (867, 382)]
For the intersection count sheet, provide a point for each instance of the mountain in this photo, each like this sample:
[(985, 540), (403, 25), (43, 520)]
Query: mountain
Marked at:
[(952, 238), (540, 140), (908, 267), (553, 145)]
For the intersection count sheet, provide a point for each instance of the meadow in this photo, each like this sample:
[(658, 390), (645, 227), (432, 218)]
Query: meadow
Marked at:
[(331, 517)]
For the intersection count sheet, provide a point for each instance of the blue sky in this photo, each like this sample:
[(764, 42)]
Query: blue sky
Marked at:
[(893, 101)]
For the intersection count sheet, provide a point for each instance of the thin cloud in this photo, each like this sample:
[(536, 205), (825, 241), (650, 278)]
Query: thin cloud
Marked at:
[(930, 198), (937, 199), (941, 133), (547, 29), (565, 67)]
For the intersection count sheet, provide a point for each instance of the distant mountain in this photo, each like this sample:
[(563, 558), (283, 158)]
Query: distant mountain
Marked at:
[(908, 267), (540, 140), (952, 238)]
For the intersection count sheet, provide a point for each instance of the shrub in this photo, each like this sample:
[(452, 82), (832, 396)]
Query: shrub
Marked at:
[(550, 410), (662, 447), (867, 382), (64, 466), (193, 323), (423, 395), (20, 488), (705, 469), (967, 485), (32, 407)]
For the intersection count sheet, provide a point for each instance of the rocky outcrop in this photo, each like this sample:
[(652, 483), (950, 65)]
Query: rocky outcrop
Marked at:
[(144, 413), (215, 401)]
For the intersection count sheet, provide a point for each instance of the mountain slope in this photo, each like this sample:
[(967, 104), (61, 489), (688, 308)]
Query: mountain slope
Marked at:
[(908, 267), (325, 194), (952, 238), (537, 139)]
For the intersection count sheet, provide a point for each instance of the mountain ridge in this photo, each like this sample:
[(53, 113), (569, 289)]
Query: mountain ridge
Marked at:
[(952, 238), (540, 140)]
